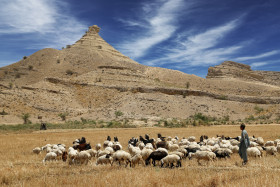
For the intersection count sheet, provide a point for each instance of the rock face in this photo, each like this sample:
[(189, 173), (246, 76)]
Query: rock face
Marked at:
[(230, 69)]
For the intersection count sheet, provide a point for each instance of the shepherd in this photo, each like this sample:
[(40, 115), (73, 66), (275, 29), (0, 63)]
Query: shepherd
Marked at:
[(244, 144)]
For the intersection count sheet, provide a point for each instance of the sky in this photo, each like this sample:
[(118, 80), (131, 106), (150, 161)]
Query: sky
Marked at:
[(185, 35)]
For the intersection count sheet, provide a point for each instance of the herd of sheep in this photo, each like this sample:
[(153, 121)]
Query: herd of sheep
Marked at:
[(163, 151)]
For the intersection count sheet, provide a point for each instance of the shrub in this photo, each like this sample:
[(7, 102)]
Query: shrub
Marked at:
[(118, 113), (30, 67), (25, 117), (58, 61), (187, 85), (25, 57), (69, 72), (250, 118), (63, 116), (3, 113), (258, 109)]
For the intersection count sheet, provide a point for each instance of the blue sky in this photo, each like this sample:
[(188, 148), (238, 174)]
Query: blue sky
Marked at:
[(186, 35)]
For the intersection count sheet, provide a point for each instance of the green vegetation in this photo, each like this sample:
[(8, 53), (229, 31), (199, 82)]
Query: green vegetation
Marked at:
[(222, 97), (83, 124), (25, 117), (118, 113), (187, 85), (197, 119), (258, 109), (63, 116)]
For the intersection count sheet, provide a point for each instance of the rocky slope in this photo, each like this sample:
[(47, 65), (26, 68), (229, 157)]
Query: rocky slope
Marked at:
[(244, 72), (92, 80)]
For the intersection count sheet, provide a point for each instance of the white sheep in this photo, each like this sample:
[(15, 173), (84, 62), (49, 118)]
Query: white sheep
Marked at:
[(72, 153), (180, 154), (101, 153), (97, 146), (260, 141), (121, 156), (145, 153), (136, 159), (162, 150), (205, 148), (203, 155), (253, 152), (210, 142), (171, 159), (141, 145), (107, 144), (234, 142), (172, 147), (271, 150), (184, 142), (82, 157), (276, 142), (110, 149), (253, 144), (269, 143), (37, 150), (278, 148), (105, 159), (92, 152), (234, 149), (133, 150), (149, 146), (50, 157), (191, 139)]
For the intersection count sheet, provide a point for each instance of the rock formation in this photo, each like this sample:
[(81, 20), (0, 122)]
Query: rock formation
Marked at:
[(92, 80), (229, 69)]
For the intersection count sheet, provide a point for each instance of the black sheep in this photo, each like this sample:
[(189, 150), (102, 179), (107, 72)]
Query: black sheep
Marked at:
[(221, 154), (109, 138), (156, 155)]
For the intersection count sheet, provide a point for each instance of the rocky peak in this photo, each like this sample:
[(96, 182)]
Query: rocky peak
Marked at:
[(93, 29)]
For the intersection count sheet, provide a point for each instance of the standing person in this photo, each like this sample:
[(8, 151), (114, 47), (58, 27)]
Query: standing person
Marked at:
[(244, 144)]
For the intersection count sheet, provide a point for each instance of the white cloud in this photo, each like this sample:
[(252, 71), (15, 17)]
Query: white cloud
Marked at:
[(200, 49), (258, 64), (160, 25), (44, 20), (263, 55)]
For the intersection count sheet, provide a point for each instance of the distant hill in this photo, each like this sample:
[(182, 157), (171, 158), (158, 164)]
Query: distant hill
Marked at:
[(92, 80)]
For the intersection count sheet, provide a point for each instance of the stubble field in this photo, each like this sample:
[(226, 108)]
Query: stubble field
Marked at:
[(20, 167)]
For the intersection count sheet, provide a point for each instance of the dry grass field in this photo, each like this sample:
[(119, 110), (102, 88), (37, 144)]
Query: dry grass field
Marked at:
[(20, 167)]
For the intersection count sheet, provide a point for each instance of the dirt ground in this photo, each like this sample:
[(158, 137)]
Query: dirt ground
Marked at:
[(20, 167)]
